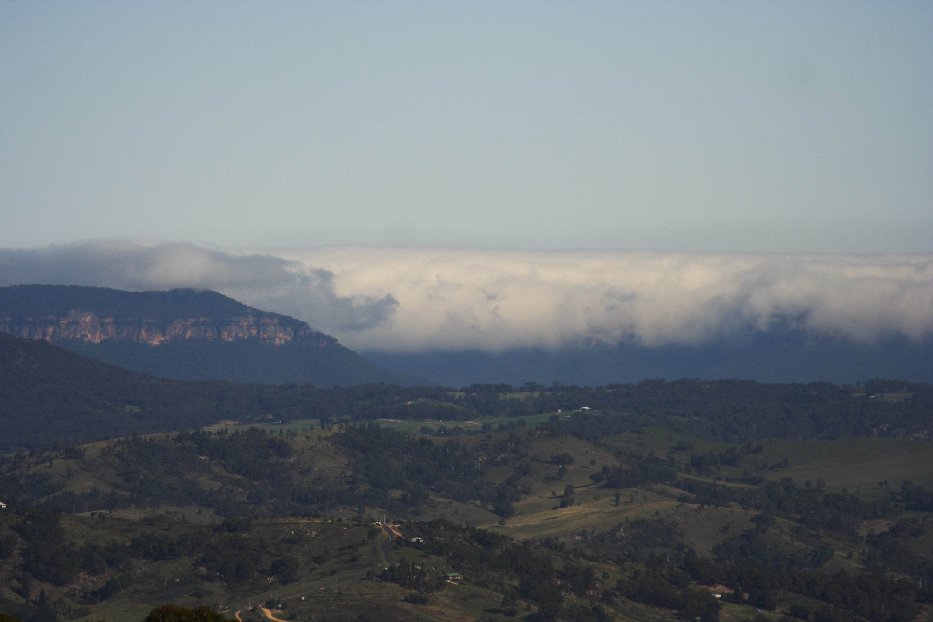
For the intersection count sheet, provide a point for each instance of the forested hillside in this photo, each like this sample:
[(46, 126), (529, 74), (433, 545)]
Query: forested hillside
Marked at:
[(52, 396), (584, 515), (49, 395)]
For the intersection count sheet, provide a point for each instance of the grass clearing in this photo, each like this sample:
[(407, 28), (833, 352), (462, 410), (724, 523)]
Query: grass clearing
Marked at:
[(296, 425), (706, 526), (541, 518), (857, 464)]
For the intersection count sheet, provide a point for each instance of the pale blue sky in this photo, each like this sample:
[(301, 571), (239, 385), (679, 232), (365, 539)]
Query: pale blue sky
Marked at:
[(724, 126)]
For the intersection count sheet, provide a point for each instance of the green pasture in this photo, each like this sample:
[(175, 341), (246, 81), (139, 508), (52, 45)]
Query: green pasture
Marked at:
[(869, 467), (297, 425), (660, 442), (413, 426)]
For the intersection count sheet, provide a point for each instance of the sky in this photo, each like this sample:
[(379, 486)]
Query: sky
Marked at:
[(777, 127), (410, 175)]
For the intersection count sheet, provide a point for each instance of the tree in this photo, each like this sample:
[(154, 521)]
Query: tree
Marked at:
[(567, 499), (287, 569)]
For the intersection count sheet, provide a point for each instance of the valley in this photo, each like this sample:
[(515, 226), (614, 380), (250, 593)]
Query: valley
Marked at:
[(515, 516), (131, 496)]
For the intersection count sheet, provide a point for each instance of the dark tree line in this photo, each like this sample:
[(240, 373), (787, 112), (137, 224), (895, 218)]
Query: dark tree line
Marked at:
[(386, 460), (50, 396)]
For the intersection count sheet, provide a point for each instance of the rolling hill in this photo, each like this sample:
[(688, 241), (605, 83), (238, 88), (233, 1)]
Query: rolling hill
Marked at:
[(584, 516), (50, 395)]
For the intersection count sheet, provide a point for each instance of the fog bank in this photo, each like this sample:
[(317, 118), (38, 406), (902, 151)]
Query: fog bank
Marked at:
[(414, 299)]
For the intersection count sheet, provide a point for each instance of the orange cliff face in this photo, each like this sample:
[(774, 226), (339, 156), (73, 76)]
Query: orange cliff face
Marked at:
[(87, 327)]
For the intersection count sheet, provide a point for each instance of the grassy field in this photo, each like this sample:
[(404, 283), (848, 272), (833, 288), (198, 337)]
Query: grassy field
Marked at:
[(856, 464), (660, 441), (593, 510), (412, 426), (298, 425)]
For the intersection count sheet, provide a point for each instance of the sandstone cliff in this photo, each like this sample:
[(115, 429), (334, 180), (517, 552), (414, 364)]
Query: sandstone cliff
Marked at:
[(86, 326), (185, 334), (66, 314)]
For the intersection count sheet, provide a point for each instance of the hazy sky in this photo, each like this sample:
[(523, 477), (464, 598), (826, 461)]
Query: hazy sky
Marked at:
[(780, 127)]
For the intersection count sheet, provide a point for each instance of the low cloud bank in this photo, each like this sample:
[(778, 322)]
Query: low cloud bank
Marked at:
[(412, 299), (260, 280)]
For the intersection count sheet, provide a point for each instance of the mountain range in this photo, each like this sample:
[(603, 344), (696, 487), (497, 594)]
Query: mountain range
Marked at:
[(203, 335), (184, 334)]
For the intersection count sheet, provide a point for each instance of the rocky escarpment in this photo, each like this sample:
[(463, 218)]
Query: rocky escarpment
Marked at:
[(96, 315), (185, 334), (88, 327)]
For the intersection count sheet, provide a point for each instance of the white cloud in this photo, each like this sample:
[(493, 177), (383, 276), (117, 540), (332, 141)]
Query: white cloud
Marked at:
[(500, 299), (258, 279), (409, 299)]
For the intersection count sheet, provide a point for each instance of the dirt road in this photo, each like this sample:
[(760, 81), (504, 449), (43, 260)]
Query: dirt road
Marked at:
[(268, 613)]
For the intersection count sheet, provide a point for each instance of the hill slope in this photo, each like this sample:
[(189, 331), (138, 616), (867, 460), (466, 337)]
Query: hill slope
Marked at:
[(51, 395), (528, 520), (184, 334)]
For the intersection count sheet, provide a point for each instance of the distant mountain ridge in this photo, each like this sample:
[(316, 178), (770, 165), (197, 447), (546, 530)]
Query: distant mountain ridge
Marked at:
[(183, 333), (56, 313), (778, 356)]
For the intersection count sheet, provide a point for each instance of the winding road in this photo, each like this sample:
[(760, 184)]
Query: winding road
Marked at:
[(268, 613)]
